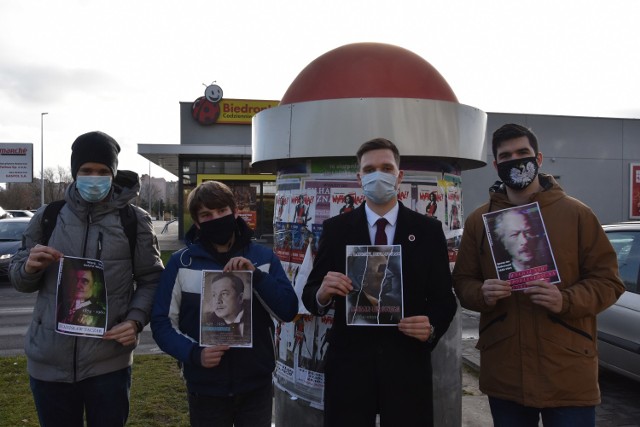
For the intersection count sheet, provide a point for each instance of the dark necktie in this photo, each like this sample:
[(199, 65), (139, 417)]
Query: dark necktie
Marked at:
[(381, 235)]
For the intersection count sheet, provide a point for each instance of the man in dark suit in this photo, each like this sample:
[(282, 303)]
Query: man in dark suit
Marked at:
[(382, 369)]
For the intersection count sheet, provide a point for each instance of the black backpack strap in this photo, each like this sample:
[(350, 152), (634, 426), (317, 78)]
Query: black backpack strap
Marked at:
[(129, 221), (49, 219)]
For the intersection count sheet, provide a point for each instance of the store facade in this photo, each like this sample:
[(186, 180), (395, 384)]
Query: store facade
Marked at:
[(215, 144)]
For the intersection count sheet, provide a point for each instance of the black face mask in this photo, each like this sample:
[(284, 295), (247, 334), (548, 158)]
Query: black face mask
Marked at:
[(219, 230), (518, 173)]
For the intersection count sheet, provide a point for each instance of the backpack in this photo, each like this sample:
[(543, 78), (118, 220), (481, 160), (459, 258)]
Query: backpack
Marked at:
[(128, 219)]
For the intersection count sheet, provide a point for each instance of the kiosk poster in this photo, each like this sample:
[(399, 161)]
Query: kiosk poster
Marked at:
[(303, 207), (81, 298), (376, 276), (344, 200), (225, 308), (300, 349), (452, 201), (324, 199), (431, 201), (520, 246)]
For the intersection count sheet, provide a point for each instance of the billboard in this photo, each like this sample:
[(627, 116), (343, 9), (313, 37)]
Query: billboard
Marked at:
[(16, 162)]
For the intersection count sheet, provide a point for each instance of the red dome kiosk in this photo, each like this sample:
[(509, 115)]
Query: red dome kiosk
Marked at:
[(341, 99)]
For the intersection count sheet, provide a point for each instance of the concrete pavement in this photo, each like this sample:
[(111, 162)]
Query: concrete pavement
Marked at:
[(475, 405)]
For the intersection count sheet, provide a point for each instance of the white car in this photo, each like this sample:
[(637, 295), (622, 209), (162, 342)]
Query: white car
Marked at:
[(619, 325), (20, 212)]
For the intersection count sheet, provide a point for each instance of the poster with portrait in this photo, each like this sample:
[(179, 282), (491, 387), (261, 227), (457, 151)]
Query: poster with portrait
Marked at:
[(302, 207), (634, 189), (225, 308), (431, 201), (520, 246), (345, 200), (81, 298), (281, 209), (376, 276), (452, 185)]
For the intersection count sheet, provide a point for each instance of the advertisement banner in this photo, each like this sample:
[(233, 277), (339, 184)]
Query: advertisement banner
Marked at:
[(16, 162)]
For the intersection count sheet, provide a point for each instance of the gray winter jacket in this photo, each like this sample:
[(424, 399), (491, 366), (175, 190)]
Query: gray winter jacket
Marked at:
[(89, 231)]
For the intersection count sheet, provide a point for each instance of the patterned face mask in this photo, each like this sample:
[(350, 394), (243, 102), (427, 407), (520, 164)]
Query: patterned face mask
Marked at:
[(518, 173)]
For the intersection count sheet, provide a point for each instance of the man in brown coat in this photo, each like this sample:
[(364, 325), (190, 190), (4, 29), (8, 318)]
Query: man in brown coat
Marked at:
[(538, 346)]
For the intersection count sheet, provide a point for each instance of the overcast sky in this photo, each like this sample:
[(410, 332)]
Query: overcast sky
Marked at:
[(123, 66)]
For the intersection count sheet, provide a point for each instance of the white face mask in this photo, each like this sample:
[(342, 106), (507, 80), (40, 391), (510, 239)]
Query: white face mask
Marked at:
[(93, 188), (379, 187)]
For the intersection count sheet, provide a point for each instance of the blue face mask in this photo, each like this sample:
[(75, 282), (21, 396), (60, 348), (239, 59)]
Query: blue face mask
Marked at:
[(379, 187), (93, 188)]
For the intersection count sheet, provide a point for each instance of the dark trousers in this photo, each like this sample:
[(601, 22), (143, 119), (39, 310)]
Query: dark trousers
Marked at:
[(358, 388), (104, 399), (252, 409), (506, 414)]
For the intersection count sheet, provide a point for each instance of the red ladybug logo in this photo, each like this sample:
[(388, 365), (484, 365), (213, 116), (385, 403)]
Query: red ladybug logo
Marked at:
[(204, 111)]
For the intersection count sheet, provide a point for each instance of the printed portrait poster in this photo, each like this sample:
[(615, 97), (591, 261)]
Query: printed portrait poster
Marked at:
[(324, 199), (520, 246), (281, 210), (81, 298), (302, 207), (344, 200), (376, 276), (453, 201), (225, 308), (431, 201), (634, 187)]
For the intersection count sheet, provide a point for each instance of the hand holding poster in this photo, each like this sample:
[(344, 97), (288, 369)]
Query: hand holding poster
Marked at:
[(376, 276), (225, 308), (520, 246), (81, 298)]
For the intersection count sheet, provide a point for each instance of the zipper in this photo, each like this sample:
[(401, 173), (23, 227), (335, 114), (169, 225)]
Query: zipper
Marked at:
[(99, 247), (75, 359), (559, 321)]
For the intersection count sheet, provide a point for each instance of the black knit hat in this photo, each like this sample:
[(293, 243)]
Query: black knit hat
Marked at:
[(95, 147)]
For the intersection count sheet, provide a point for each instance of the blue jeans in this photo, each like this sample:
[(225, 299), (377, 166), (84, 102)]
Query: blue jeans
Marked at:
[(252, 409), (104, 398), (507, 414)]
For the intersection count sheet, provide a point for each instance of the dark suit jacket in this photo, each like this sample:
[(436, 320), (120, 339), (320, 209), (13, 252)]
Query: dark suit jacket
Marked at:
[(427, 287)]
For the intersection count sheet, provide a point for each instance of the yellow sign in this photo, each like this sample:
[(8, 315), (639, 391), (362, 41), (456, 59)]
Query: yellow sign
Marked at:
[(240, 111)]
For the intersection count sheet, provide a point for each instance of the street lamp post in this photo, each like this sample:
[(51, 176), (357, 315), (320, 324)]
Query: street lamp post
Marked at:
[(42, 158)]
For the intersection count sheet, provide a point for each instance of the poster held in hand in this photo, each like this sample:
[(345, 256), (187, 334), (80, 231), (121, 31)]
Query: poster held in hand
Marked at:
[(81, 298), (520, 246), (376, 276), (225, 308)]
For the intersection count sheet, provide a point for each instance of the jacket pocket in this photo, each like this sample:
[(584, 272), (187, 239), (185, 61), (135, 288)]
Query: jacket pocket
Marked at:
[(573, 336), (494, 331)]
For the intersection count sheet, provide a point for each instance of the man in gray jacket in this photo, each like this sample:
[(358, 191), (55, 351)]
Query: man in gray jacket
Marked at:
[(76, 376)]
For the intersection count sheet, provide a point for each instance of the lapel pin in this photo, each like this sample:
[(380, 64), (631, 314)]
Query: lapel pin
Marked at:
[(412, 237)]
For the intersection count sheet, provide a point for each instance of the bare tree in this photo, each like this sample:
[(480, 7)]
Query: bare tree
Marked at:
[(149, 195), (55, 183)]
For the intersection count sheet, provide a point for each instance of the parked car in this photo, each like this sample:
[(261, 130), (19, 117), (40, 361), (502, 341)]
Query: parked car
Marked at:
[(619, 325), (11, 230), (18, 213), (4, 214)]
